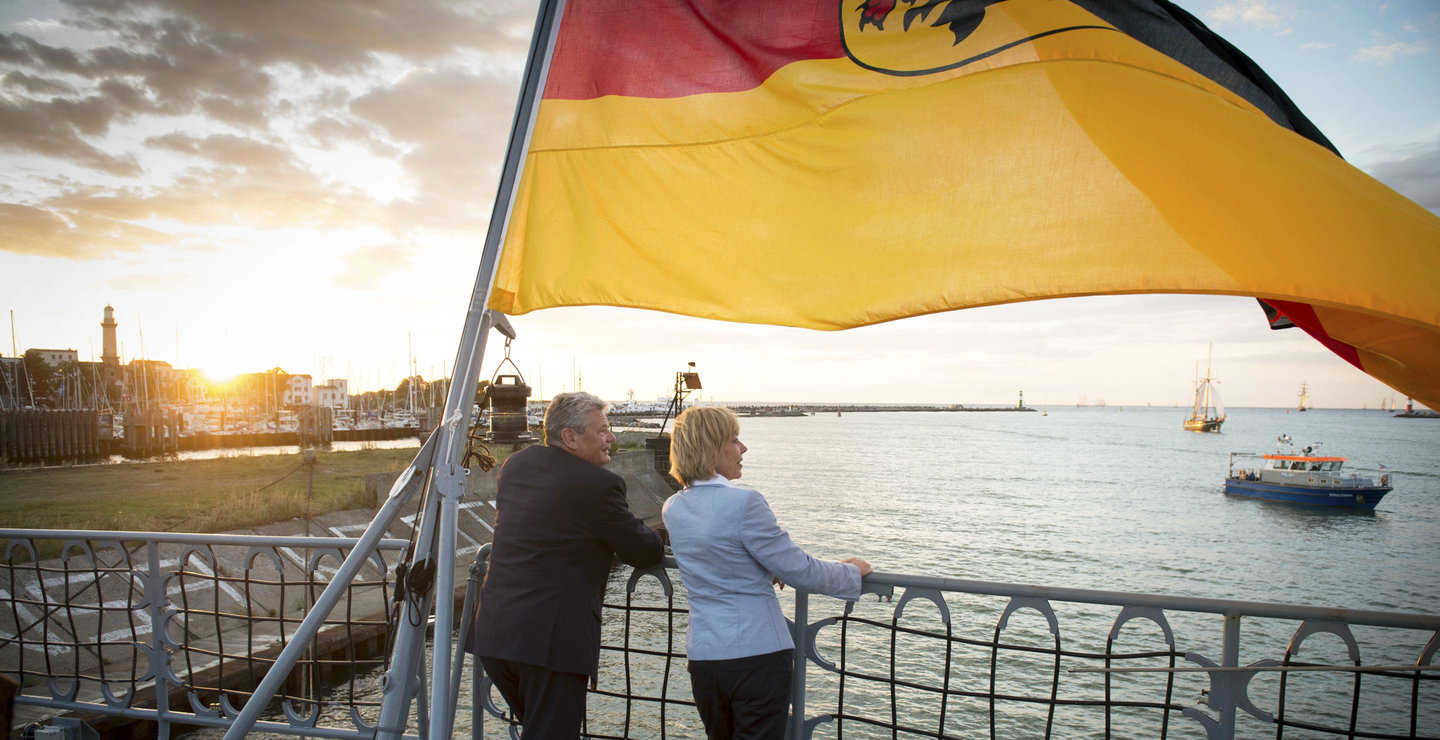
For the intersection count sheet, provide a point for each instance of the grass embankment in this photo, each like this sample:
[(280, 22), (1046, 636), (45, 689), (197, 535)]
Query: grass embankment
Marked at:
[(193, 495), (216, 495)]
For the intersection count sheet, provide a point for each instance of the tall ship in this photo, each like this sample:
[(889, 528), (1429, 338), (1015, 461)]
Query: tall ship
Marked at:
[(1304, 398), (1208, 411)]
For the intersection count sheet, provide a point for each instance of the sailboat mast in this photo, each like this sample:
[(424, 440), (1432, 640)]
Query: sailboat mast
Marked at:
[(144, 370), (1209, 362), (15, 350)]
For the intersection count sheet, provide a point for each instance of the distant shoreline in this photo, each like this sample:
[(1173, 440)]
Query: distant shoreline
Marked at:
[(802, 408), (758, 409)]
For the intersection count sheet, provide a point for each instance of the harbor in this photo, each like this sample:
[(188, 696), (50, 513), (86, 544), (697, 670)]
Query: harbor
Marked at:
[(51, 437)]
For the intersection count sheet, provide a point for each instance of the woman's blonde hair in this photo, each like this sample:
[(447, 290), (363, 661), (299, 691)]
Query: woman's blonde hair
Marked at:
[(700, 436)]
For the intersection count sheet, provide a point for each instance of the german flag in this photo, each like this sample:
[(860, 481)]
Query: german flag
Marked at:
[(835, 163)]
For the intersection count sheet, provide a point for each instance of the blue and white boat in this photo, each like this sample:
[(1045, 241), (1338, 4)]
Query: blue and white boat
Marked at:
[(1305, 479)]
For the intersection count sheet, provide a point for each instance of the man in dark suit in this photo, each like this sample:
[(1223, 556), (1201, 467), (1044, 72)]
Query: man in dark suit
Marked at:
[(560, 520)]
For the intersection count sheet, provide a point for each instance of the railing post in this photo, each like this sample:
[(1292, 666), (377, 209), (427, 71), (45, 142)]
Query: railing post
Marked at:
[(796, 729), (1230, 658), (159, 651), (467, 614)]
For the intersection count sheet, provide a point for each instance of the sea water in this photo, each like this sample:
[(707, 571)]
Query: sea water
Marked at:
[(1114, 498), (1120, 499), (1110, 498)]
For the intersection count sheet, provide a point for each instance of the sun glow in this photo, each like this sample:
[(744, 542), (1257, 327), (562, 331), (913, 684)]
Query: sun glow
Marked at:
[(221, 371)]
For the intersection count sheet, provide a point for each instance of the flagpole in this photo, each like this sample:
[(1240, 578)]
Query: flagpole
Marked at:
[(439, 471), (448, 476)]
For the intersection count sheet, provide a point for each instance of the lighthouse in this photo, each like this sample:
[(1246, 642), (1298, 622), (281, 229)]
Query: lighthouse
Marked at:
[(110, 358), (109, 355)]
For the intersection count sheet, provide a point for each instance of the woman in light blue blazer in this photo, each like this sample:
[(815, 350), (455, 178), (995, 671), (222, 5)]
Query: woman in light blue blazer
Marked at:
[(732, 553)]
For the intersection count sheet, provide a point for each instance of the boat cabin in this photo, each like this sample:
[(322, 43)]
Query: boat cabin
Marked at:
[(1297, 463), (1295, 470)]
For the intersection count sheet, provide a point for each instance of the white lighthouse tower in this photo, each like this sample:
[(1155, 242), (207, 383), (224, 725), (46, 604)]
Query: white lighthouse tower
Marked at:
[(109, 355)]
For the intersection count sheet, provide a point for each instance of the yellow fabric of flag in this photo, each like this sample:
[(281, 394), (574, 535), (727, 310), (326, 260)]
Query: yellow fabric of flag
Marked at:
[(1048, 155)]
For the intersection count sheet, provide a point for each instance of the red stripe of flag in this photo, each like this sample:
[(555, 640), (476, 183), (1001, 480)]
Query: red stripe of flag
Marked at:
[(1303, 315), (679, 49)]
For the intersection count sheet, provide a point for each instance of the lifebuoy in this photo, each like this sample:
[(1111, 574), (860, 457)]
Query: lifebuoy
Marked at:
[(1385, 479)]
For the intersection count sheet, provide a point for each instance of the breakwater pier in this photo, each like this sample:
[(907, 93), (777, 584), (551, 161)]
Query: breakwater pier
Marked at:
[(805, 409), (651, 418), (30, 437)]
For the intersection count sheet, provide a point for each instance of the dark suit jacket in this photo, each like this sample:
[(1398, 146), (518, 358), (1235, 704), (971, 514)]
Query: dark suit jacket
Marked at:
[(559, 522)]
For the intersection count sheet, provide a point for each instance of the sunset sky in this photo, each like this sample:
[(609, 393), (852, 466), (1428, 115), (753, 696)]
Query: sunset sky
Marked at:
[(308, 184)]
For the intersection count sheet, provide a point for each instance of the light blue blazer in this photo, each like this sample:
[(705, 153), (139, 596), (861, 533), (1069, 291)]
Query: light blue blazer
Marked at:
[(730, 548)]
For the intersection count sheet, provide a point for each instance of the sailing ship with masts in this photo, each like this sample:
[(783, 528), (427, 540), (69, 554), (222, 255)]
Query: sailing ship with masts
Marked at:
[(1208, 411)]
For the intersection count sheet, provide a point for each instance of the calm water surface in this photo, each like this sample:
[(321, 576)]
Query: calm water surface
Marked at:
[(1108, 498)]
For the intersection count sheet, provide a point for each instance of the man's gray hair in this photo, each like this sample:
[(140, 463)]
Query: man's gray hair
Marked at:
[(570, 411)]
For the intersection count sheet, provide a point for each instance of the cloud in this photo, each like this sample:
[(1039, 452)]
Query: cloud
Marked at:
[(69, 234), (334, 38), (35, 85), (225, 61), (328, 131), (240, 113), (1257, 13), (366, 268), (59, 129), (1415, 173), (22, 50), (237, 183), (454, 132), (226, 149), (203, 115), (1387, 53)]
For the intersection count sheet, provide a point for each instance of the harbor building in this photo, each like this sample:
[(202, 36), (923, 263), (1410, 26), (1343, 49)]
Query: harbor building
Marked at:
[(335, 393), (57, 358), (298, 391)]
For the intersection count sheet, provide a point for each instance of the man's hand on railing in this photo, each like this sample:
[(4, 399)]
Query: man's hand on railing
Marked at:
[(861, 564)]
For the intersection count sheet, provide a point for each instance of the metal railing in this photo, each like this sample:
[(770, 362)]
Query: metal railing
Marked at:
[(950, 658), (916, 657), (178, 628)]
